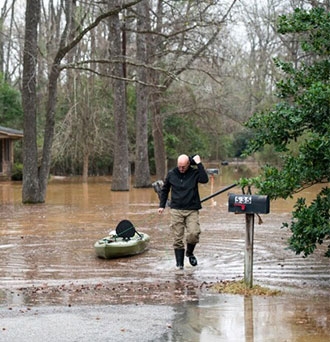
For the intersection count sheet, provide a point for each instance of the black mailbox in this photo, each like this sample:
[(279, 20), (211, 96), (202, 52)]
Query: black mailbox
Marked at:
[(249, 204)]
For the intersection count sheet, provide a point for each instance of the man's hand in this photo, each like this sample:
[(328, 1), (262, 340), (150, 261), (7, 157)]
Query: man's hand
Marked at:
[(197, 159), (160, 210)]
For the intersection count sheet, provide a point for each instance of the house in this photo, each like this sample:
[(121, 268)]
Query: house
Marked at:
[(7, 138)]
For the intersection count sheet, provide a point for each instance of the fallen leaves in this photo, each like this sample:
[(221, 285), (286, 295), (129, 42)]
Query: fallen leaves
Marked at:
[(240, 288)]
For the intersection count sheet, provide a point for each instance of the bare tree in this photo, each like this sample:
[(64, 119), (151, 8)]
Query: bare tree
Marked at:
[(31, 187), (180, 39), (173, 47), (121, 167), (156, 96), (4, 58), (35, 184), (142, 170)]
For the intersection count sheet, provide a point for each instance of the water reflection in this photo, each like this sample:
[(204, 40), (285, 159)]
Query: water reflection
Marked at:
[(47, 257), (230, 318)]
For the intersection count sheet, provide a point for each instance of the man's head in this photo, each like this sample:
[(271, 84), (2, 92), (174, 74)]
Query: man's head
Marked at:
[(183, 163)]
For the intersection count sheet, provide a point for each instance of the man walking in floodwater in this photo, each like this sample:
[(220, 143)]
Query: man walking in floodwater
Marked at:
[(185, 204)]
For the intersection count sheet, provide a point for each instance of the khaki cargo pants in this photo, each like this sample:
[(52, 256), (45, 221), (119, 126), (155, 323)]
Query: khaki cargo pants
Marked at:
[(184, 224)]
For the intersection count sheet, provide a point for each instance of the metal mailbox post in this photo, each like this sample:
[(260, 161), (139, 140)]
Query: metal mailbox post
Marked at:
[(248, 205)]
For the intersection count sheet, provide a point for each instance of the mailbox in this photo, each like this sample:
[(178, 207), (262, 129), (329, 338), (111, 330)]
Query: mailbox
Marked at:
[(212, 171), (248, 204)]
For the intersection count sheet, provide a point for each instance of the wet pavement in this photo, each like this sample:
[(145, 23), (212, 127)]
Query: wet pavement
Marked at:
[(51, 280), (212, 318)]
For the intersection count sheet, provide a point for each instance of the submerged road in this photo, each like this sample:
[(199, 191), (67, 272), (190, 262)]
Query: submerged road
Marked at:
[(53, 287)]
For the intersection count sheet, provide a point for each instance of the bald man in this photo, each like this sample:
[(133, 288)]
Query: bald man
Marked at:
[(185, 204)]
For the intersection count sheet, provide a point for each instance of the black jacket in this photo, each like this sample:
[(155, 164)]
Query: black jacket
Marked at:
[(184, 188)]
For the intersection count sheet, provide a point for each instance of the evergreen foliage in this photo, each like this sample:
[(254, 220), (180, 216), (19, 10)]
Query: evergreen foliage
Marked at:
[(302, 115), (11, 113)]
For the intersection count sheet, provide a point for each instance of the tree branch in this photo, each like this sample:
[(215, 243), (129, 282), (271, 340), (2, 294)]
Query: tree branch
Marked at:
[(113, 76), (204, 47), (64, 50)]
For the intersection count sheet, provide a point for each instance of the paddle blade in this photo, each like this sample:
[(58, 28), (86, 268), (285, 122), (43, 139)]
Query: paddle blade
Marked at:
[(125, 229)]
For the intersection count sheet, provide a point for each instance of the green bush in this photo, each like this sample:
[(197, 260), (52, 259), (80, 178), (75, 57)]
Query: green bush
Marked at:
[(17, 172)]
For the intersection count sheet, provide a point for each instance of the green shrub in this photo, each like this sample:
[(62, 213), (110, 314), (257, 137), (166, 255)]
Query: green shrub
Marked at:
[(17, 172)]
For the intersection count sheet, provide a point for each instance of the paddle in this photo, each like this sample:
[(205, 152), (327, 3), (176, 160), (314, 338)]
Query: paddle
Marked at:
[(219, 192), (125, 229), (159, 184)]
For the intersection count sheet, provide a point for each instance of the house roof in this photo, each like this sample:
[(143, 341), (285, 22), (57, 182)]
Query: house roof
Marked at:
[(6, 132)]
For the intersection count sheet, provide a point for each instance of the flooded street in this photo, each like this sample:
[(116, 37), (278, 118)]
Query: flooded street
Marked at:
[(48, 264)]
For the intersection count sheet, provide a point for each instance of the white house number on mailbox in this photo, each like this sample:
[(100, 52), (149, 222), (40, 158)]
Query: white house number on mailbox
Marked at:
[(243, 199)]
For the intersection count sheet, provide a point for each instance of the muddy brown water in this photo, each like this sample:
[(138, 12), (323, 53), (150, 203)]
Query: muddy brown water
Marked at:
[(47, 258)]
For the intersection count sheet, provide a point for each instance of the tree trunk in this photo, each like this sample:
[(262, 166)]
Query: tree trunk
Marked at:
[(30, 188), (121, 171), (49, 131), (155, 99), (158, 136), (85, 168), (142, 170)]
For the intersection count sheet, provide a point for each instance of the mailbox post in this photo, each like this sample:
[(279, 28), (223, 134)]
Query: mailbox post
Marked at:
[(248, 205), (248, 253)]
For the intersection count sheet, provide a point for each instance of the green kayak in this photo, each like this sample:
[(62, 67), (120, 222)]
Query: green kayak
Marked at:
[(114, 246)]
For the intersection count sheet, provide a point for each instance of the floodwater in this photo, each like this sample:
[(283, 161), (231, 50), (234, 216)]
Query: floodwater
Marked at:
[(47, 259)]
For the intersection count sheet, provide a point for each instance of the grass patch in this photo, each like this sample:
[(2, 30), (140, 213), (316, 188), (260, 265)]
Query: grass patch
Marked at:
[(240, 288)]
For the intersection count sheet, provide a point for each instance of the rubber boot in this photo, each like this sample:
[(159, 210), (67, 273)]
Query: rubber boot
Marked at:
[(190, 254), (179, 257)]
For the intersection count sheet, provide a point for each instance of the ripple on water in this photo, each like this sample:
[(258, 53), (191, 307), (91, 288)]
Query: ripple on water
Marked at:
[(54, 242)]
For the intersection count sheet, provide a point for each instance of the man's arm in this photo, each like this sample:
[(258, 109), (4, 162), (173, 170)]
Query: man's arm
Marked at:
[(203, 176), (164, 195)]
